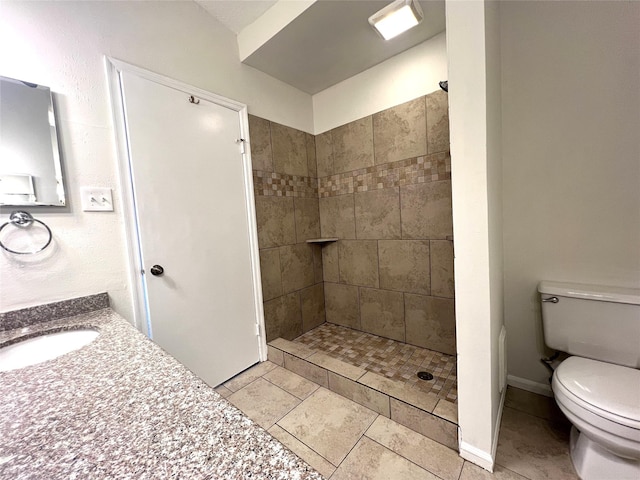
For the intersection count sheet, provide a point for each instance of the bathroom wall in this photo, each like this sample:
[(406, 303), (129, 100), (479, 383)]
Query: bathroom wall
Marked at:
[(571, 117), (286, 195), (473, 44), (62, 45), (385, 192), (408, 75)]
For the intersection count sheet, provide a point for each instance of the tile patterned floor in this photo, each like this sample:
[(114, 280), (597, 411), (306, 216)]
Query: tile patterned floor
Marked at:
[(396, 360), (344, 440)]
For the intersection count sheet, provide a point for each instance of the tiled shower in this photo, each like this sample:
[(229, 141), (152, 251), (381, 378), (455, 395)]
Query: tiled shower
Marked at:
[(381, 185)]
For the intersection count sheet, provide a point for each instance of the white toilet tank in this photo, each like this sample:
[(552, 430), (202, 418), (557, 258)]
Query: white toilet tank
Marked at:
[(592, 321)]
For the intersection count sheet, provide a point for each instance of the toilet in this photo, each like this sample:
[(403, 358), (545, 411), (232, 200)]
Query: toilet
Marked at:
[(598, 387)]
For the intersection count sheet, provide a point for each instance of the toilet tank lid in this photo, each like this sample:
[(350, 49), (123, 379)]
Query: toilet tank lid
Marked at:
[(591, 292)]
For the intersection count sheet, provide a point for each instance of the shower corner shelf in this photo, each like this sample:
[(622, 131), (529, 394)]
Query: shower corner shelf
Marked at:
[(322, 241)]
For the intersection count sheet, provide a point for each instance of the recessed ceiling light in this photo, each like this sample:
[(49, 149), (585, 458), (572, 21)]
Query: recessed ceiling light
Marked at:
[(397, 17)]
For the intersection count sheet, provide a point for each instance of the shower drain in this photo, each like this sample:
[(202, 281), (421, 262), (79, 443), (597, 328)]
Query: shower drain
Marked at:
[(425, 376)]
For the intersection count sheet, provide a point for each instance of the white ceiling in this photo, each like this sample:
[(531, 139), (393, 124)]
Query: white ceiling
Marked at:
[(236, 14), (328, 43)]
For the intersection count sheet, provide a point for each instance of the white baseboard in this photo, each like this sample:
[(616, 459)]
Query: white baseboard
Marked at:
[(480, 457), (529, 385), (477, 456)]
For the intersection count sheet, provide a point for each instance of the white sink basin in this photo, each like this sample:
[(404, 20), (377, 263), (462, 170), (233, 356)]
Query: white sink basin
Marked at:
[(44, 347)]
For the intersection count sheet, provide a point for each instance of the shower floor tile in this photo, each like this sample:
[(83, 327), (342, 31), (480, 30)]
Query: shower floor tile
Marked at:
[(395, 360)]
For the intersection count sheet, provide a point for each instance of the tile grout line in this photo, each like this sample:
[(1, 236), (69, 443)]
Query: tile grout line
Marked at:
[(291, 393), (444, 377), (402, 456), (300, 440), (375, 389), (355, 444)]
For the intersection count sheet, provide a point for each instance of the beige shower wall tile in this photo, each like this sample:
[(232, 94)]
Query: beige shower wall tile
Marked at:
[(270, 273), (296, 266), (378, 214), (276, 221), (382, 313), (337, 217), (318, 271), (442, 284), (282, 317), (260, 137), (307, 215), (313, 313), (342, 304), (437, 122), (431, 322), (400, 132), (353, 145), (426, 210), (404, 265), (324, 154), (330, 267), (312, 164), (289, 150), (358, 261)]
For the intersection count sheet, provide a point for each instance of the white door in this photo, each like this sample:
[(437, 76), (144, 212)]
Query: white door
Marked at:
[(190, 194)]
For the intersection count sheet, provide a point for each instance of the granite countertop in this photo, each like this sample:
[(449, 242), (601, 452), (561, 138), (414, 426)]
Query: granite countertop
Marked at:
[(120, 408)]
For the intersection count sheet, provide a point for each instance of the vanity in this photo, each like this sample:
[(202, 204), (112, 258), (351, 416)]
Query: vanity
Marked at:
[(120, 407)]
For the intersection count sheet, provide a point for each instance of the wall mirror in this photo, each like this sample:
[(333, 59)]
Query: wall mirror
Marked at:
[(30, 170)]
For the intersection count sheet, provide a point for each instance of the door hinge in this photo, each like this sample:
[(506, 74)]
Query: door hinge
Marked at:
[(241, 141)]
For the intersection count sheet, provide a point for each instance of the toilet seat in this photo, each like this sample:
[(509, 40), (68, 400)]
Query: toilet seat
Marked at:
[(606, 390), (577, 392)]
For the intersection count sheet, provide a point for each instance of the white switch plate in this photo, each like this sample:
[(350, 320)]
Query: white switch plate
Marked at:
[(96, 199)]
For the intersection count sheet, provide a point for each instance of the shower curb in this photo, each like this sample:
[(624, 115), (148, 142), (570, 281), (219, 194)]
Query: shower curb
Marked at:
[(422, 412)]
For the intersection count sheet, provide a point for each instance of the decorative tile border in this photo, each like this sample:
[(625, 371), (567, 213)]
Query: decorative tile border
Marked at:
[(52, 311), (429, 168), (283, 185)]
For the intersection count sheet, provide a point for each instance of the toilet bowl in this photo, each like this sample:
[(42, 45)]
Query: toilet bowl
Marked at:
[(602, 401), (598, 389)]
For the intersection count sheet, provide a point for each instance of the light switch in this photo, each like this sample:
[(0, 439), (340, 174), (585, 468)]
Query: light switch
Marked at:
[(96, 199)]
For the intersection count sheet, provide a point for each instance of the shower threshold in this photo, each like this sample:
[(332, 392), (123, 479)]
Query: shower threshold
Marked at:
[(380, 374)]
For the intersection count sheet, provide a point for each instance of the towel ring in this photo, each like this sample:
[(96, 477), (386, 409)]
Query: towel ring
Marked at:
[(24, 220)]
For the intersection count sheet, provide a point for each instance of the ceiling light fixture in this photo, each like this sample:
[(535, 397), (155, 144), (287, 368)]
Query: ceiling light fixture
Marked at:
[(397, 17)]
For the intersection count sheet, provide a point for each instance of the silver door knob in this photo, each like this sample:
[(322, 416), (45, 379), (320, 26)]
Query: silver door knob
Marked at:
[(157, 270)]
